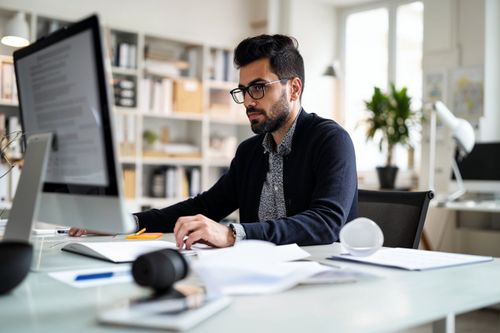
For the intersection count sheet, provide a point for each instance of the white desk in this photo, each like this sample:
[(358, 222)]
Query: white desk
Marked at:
[(485, 206), (465, 226), (397, 300)]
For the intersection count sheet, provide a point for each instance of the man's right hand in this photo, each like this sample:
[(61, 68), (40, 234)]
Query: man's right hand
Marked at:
[(77, 232)]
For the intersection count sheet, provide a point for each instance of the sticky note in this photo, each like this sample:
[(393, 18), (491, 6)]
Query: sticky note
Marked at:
[(145, 235)]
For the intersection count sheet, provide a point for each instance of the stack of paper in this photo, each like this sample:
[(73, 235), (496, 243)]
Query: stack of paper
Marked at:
[(254, 267)]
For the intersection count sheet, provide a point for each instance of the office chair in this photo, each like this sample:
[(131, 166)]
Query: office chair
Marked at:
[(400, 215)]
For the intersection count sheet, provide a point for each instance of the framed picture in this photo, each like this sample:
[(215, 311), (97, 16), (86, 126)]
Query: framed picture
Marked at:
[(468, 91), (434, 87)]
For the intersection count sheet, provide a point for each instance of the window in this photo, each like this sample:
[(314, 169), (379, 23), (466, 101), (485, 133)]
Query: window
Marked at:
[(383, 44)]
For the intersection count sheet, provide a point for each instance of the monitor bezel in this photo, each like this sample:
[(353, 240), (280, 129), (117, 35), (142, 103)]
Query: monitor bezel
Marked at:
[(92, 24)]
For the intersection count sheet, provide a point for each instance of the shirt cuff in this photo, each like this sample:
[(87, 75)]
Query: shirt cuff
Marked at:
[(240, 232), (137, 225)]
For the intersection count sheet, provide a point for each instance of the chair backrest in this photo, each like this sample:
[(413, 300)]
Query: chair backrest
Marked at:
[(400, 215)]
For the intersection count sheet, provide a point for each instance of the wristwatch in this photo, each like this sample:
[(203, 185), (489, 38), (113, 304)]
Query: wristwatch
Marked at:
[(238, 231)]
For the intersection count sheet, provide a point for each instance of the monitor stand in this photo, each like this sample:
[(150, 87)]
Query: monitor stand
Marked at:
[(15, 250)]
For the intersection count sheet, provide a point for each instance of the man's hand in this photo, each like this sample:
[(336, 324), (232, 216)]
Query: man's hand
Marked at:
[(201, 229), (77, 232)]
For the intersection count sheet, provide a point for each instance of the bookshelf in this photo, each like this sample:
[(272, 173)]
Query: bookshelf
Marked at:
[(176, 126)]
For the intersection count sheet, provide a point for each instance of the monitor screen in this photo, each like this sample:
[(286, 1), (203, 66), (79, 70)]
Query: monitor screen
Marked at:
[(480, 169), (63, 90), (60, 92)]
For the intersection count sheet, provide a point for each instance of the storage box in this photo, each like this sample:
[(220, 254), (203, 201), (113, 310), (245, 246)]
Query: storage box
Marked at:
[(188, 95)]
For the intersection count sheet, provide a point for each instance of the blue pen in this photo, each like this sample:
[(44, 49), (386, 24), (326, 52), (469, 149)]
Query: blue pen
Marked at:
[(93, 276)]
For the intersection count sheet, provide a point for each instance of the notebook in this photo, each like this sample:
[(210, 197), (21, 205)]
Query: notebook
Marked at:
[(117, 251)]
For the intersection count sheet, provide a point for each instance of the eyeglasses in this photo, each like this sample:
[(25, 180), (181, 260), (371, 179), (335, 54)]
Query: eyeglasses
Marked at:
[(255, 90)]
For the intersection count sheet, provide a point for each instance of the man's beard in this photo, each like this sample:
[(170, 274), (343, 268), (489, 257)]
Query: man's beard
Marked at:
[(277, 117)]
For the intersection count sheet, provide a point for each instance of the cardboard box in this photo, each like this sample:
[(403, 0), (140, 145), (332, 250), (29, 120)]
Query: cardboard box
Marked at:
[(188, 96)]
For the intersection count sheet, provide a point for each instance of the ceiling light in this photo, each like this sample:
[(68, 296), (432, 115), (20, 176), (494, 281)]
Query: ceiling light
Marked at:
[(16, 31)]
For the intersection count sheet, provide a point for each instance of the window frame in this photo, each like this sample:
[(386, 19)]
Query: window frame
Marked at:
[(392, 10)]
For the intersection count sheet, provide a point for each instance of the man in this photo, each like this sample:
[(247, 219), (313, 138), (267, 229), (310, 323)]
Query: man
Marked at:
[(294, 182)]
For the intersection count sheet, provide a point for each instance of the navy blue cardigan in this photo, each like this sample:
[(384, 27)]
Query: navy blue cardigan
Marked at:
[(320, 185)]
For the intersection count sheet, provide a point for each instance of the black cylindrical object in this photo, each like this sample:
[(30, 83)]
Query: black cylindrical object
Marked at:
[(160, 269), (15, 263)]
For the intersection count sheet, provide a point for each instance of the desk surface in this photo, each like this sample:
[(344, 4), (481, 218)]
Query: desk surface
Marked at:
[(486, 206), (397, 299)]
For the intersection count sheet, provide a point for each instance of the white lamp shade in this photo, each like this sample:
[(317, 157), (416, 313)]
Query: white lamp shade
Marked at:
[(464, 136), (461, 129), (16, 31)]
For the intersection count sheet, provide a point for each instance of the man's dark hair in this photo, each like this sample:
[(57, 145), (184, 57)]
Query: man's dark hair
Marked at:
[(282, 52)]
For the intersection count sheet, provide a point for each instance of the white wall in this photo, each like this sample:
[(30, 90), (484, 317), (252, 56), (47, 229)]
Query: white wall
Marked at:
[(313, 24), (453, 38), (490, 123), (216, 22)]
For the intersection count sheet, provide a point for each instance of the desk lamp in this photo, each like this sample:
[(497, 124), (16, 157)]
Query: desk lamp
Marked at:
[(464, 137)]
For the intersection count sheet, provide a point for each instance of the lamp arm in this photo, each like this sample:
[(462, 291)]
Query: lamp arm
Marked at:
[(463, 133)]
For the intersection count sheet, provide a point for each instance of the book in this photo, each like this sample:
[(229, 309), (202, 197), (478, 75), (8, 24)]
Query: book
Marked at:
[(117, 251)]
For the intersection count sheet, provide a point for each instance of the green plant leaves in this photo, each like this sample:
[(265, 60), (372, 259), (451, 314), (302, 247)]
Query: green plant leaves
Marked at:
[(390, 114)]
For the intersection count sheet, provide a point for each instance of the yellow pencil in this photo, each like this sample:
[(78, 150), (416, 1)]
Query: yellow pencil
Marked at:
[(140, 232)]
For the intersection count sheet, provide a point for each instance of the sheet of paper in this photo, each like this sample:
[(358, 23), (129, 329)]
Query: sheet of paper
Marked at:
[(256, 250), (95, 276), (240, 279), (254, 267), (411, 259)]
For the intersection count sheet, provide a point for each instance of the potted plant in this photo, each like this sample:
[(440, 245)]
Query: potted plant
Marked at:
[(390, 116), (150, 138)]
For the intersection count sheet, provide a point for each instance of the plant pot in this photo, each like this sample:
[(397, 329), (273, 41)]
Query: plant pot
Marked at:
[(387, 176)]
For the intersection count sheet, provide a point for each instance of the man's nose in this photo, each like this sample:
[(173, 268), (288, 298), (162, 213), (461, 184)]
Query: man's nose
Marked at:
[(249, 101)]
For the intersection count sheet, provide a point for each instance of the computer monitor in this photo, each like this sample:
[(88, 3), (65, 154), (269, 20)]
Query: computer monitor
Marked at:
[(63, 90), (480, 169)]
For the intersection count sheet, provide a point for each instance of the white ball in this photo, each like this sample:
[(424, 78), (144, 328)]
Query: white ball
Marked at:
[(361, 237)]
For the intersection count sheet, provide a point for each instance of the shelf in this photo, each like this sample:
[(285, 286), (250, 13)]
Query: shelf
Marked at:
[(125, 71), (195, 161), (223, 85), (4, 102), (218, 162), (127, 159), (230, 119), (9, 109), (192, 116), (125, 110)]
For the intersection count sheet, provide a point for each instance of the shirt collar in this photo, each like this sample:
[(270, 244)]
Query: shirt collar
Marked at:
[(285, 147)]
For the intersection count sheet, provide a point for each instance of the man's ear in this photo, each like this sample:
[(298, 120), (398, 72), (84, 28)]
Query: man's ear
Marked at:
[(295, 89)]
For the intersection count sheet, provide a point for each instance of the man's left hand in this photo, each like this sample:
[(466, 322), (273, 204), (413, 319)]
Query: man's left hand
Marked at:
[(201, 229)]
